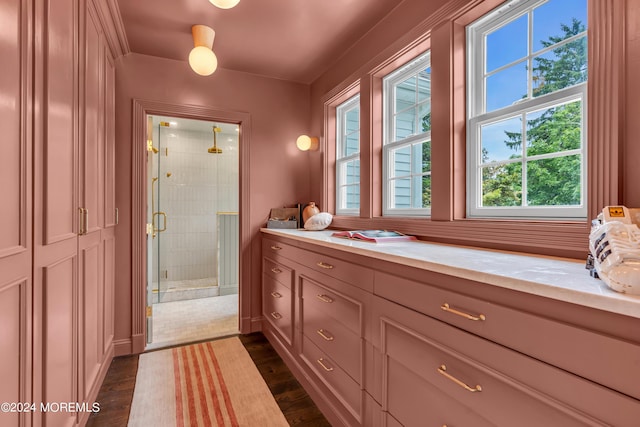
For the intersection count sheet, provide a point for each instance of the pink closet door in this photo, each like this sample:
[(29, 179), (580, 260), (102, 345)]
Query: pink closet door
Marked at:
[(92, 197), (55, 209), (15, 209)]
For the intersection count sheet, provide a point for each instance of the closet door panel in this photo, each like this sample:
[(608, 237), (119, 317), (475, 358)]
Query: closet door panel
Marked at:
[(109, 143), (91, 308), (109, 242), (59, 327), (60, 131), (14, 309), (12, 113), (92, 159)]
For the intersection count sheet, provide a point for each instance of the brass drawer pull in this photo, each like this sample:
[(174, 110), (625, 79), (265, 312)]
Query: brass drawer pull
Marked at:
[(324, 335), (324, 298), (325, 367), (276, 270), (276, 294), (442, 370), (276, 315), (276, 248), (324, 265), (447, 307)]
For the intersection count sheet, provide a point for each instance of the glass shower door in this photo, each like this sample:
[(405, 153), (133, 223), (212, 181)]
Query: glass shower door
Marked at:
[(157, 223), (159, 215)]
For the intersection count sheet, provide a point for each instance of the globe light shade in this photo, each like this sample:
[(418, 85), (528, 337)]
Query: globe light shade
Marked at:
[(224, 4), (203, 61), (307, 143)]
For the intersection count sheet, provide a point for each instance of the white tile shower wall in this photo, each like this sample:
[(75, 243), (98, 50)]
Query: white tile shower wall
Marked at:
[(200, 185)]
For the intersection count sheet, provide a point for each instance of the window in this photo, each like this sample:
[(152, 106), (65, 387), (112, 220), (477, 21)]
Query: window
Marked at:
[(406, 148), (348, 157), (526, 129)]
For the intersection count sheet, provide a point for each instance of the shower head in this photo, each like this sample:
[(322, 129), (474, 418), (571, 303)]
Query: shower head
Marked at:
[(215, 149)]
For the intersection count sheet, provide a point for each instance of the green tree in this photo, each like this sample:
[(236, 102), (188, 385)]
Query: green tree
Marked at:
[(426, 162)]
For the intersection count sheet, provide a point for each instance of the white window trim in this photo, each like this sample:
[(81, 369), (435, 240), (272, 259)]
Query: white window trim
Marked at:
[(389, 82), (341, 111), (476, 117)]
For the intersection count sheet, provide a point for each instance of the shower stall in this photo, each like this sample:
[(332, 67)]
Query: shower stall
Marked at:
[(192, 209)]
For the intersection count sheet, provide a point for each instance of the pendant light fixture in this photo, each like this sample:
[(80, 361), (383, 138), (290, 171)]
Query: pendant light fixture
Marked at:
[(224, 4), (202, 59)]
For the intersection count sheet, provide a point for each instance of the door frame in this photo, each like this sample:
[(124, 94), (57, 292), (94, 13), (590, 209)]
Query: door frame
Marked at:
[(142, 108)]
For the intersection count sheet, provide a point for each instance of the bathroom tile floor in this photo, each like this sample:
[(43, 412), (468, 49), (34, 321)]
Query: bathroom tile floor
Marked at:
[(179, 322)]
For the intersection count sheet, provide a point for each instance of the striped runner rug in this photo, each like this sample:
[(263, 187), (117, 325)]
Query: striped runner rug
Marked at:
[(213, 383)]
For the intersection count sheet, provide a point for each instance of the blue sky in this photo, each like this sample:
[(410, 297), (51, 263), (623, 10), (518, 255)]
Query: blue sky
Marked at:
[(508, 44)]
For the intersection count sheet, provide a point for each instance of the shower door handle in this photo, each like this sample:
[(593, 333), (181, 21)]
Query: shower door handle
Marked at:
[(164, 222)]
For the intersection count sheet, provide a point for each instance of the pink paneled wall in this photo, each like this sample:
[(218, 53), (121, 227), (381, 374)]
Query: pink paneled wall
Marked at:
[(279, 173)]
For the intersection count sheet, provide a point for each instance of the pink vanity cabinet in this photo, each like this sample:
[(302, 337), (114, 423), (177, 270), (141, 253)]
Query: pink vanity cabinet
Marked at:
[(380, 343)]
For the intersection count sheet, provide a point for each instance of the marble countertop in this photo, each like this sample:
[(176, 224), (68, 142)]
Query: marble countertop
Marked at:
[(562, 279)]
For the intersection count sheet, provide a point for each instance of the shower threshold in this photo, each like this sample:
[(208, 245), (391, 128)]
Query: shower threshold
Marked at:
[(178, 290)]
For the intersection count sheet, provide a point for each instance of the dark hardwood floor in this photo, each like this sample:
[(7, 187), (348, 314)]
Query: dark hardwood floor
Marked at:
[(293, 400), (116, 392)]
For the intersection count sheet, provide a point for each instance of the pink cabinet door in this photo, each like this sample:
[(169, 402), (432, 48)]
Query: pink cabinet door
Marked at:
[(92, 194), (55, 210), (15, 209)]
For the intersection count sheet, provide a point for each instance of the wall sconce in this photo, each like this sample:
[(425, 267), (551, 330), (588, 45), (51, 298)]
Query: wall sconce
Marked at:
[(307, 143), (224, 4), (201, 58)]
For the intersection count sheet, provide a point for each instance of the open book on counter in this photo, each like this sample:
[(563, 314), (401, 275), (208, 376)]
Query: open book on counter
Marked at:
[(374, 235)]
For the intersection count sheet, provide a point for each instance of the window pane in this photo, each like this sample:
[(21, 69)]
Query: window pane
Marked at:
[(402, 193), (352, 120), (502, 185), (353, 172), (401, 161), (561, 67), (405, 124), (554, 129), (421, 191), (353, 197), (553, 182), (502, 140), (556, 20), (352, 144), (506, 87), (424, 117), (507, 44), (348, 145), (423, 153), (405, 94), (424, 85)]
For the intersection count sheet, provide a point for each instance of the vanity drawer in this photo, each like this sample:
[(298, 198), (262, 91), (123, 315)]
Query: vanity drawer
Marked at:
[(414, 401), (273, 249), (277, 306), (277, 271), (353, 274), (329, 372), (429, 366), (600, 358), (341, 344), (331, 303)]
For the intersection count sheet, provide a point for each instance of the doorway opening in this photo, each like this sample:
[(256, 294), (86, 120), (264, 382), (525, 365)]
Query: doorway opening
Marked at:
[(193, 241)]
